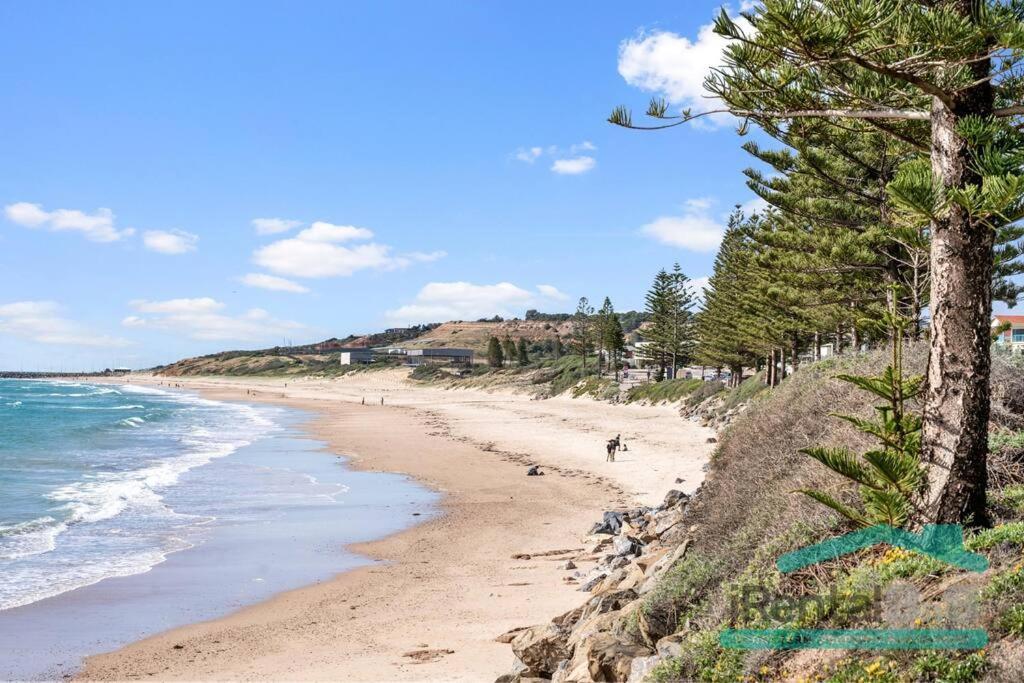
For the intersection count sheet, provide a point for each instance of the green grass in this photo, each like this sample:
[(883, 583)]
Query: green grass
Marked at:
[(704, 391), (748, 389), (1003, 533), (670, 390), (998, 441)]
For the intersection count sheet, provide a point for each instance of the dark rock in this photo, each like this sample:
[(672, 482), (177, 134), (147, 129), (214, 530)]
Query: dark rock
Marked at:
[(626, 545), (591, 583), (674, 498), (569, 564), (534, 472), (608, 602), (611, 523), (618, 561), (712, 439)]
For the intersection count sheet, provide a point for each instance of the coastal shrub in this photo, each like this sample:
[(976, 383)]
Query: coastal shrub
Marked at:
[(670, 390), (702, 659), (1010, 498), (704, 391), (747, 390), (427, 371), (997, 535), (890, 474)]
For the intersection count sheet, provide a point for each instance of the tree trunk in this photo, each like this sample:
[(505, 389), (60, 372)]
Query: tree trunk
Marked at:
[(782, 363), (854, 339), (795, 352), (817, 346), (839, 340), (956, 406)]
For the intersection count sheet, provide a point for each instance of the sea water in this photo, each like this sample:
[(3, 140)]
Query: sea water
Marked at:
[(127, 510)]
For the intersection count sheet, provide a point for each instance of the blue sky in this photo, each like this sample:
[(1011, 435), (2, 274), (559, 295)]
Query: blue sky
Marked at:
[(423, 161)]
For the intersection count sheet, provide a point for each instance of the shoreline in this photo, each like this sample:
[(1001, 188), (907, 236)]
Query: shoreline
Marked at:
[(438, 593)]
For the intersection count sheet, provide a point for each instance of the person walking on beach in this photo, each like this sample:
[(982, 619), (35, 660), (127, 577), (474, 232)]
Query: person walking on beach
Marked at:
[(382, 400), (613, 445)]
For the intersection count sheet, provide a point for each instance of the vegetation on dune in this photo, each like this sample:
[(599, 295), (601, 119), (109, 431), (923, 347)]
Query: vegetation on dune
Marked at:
[(671, 390), (740, 524), (895, 181)]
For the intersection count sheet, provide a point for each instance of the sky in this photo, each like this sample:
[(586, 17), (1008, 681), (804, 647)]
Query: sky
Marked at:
[(183, 178)]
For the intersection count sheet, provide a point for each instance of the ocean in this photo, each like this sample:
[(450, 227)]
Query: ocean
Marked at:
[(127, 510)]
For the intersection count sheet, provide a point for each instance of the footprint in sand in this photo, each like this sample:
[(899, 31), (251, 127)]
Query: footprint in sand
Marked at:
[(428, 655)]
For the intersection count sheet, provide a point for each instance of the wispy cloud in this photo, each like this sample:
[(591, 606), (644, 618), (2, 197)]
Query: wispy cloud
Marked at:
[(272, 282), (574, 160), (696, 229), (573, 166), (170, 241), (44, 323), (203, 318), (322, 250), (272, 226), (439, 301), (97, 226)]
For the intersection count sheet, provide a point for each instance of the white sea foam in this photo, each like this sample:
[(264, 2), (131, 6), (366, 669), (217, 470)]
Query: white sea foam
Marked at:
[(135, 495)]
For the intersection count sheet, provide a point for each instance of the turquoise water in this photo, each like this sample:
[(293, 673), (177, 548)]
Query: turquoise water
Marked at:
[(127, 511), (84, 470)]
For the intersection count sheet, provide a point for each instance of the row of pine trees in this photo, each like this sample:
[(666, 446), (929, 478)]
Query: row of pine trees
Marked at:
[(895, 184)]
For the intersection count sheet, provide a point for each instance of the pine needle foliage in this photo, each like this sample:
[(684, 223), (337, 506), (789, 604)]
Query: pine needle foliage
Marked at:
[(891, 475)]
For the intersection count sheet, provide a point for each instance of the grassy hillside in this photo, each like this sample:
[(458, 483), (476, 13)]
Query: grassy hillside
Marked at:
[(474, 335)]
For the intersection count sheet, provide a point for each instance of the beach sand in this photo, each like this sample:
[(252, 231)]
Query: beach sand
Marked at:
[(443, 590)]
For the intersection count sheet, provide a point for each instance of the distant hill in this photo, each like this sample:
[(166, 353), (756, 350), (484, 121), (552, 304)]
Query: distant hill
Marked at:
[(323, 357)]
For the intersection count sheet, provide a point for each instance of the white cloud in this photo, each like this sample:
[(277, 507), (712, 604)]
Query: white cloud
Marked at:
[(317, 252), (574, 165), (674, 66), (201, 318), (170, 241), (42, 322), (439, 301), (272, 226), (272, 282), (552, 292), (98, 226), (697, 286), (569, 161), (528, 155), (755, 205), (328, 232), (695, 230)]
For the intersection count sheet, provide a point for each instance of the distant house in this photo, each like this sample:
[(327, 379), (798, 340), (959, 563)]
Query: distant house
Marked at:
[(1013, 335), (356, 357), (449, 356)]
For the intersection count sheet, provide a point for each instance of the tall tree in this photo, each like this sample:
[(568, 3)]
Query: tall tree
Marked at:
[(508, 349), (495, 356), (582, 335), (522, 355), (952, 67)]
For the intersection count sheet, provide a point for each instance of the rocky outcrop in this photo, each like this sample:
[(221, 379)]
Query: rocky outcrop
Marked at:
[(604, 639)]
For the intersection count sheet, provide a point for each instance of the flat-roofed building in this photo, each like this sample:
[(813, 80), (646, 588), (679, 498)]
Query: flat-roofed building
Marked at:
[(357, 357), (449, 356)]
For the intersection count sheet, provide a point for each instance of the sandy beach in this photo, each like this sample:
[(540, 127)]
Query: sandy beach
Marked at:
[(441, 591)]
